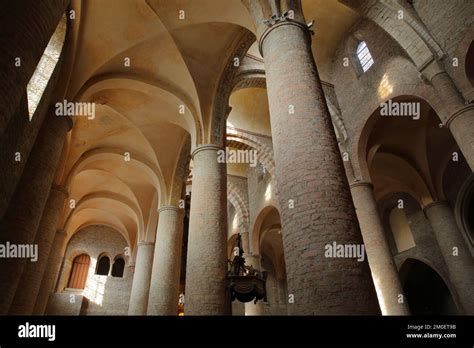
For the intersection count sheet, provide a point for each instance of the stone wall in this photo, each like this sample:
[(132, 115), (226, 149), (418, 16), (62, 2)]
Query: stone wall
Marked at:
[(103, 295)]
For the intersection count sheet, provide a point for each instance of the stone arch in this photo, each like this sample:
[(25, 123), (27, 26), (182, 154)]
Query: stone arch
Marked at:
[(360, 140), (236, 198), (265, 154), (128, 209), (220, 107), (409, 32), (463, 209), (193, 122), (255, 231), (181, 173), (152, 172), (463, 72), (405, 269), (267, 232)]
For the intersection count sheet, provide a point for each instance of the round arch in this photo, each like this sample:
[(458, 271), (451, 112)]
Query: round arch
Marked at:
[(427, 292)]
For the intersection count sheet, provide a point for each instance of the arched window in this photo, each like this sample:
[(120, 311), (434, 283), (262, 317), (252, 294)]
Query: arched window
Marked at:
[(364, 56), (103, 265), (118, 267), (79, 271), (45, 67)]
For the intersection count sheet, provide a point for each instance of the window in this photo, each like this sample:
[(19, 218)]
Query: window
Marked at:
[(103, 266), (79, 271), (364, 56), (45, 67), (118, 267)]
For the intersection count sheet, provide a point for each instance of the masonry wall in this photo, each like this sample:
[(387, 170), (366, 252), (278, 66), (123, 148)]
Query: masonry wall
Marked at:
[(359, 95), (102, 295), (447, 21)]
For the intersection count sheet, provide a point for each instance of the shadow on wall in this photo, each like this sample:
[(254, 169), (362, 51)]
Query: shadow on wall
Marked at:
[(426, 292)]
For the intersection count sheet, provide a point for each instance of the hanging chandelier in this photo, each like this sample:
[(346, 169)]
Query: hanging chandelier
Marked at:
[(246, 284)]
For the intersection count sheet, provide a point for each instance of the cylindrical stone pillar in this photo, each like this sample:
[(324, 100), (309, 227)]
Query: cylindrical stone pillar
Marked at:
[(21, 221), (206, 270), (460, 117), (314, 196), (455, 252), (141, 279), (28, 288), (27, 27), (51, 273), (389, 289), (164, 288)]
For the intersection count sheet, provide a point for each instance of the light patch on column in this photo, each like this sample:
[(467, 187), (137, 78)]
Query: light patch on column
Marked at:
[(45, 68)]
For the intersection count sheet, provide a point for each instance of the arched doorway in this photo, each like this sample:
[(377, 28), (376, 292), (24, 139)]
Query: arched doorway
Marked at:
[(79, 272), (426, 291)]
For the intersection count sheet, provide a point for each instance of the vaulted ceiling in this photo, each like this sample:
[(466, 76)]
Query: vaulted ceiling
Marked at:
[(153, 67)]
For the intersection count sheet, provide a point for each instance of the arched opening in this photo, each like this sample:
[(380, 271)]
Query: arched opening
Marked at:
[(470, 63), (118, 267), (79, 271), (464, 208), (426, 292), (273, 261), (103, 265)]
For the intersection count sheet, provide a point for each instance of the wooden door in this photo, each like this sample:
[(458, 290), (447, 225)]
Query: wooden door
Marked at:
[(80, 269)]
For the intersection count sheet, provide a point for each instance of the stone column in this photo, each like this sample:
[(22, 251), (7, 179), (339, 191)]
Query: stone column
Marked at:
[(51, 273), (164, 289), (383, 268), (455, 252), (313, 193), (30, 282), (206, 269), (141, 279), (27, 27), (460, 117), (21, 221)]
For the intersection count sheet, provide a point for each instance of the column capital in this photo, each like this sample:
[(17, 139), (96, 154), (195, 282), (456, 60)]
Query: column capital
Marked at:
[(206, 147), (460, 112), (282, 21), (361, 183), (169, 207), (431, 69)]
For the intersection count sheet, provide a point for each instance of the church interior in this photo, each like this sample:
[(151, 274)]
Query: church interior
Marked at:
[(237, 157)]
